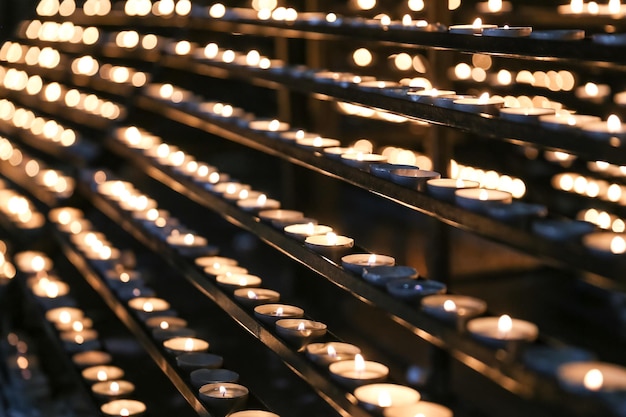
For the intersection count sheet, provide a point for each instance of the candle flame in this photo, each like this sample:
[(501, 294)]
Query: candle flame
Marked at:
[(188, 344), (189, 239), (449, 306), (371, 260), (301, 326), (615, 6), (261, 200), (577, 6), (114, 387), (484, 98), (494, 5), (484, 195), (460, 183), (77, 326), (331, 238), (318, 141), (79, 339), (478, 22), (618, 245), (310, 229), (124, 412), (243, 194), (385, 20), (274, 125), (164, 325), (384, 399), (124, 277), (359, 363), (243, 282), (222, 390), (593, 380), (505, 325), (148, 307), (613, 124), (406, 20), (52, 290), (101, 375), (280, 311), (231, 189), (22, 362), (252, 295), (359, 156), (332, 352), (65, 317)]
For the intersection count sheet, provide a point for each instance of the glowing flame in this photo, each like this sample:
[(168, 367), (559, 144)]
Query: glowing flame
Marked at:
[(384, 399), (164, 325), (301, 326), (78, 326), (478, 22), (331, 238), (148, 307), (124, 277), (124, 412), (101, 375), (484, 195), (371, 260), (188, 344), (406, 20), (613, 124), (189, 239), (577, 6), (618, 245), (114, 387), (261, 200), (274, 125), (484, 98), (318, 141), (65, 317), (243, 282), (310, 229), (615, 6), (252, 295), (505, 325), (331, 351), (494, 5), (359, 363), (280, 311), (449, 306), (593, 380)]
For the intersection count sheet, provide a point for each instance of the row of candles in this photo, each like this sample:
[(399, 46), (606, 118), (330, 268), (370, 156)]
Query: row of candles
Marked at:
[(378, 270), (78, 336), (19, 209), (217, 387)]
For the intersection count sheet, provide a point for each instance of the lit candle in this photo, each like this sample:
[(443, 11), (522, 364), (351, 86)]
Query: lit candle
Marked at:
[(252, 297), (123, 408), (445, 188), (431, 96), (271, 313), (483, 104), (379, 84), (149, 305), (508, 31), (186, 240), (218, 269), (91, 358), (76, 341), (166, 322), (118, 277), (259, 203), (253, 413), (330, 244), (477, 199), (64, 316), (205, 261), (317, 142), (294, 135), (300, 332), (301, 231), (452, 308), (112, 389), (612, 130), (356, 372), (76, 325), (525, 114), (223, 398), (235, 281), (605, 243), (178, 345), (378, 397), (498, 331), (101, 373), (51, 289), (412, 177), (476, 28), (270, 126), (566, 121), (586, 377), (326, 353), (420, 409), (358, 261), (31, 262)]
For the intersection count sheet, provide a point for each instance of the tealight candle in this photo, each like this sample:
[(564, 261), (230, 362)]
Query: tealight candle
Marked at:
[(378, 397), (379, 84), (301, 231), (51, 289), (613, 130), (235, 281), (525, 114), (293, 135), (205, 261), (222, 398), (218, 269), (64, 315), (453, 308), (508, 31), (356, 262), (75, 341), (118, 277), (91, 358), (31, 262), (431, 96), (166, 322), (101, 373), (253, 413), (326, 353), (112, 389), (178, 345), (498, 331), (587, 377), (150, 305), (445, 188), (268, 125), (300, 331), (271, 313), (476, 199), (605, 243), (362, 160), (330, 244), (252, 297), (383, 170), (317, 143), (186, 240), (412, 178), (566, 121), (258, 203), (476, 28), (482, 104), (281, 218), (76, 325), (420, 409), (123, 408), (64, 216), (356, 372)]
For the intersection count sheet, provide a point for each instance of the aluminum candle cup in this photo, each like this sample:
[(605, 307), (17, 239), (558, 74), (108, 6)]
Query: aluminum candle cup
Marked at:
[(180, 345), (235, 281), (271, 313), (300, 332), (453, 308), (324, 354), (330, 245), (112, 389), (357, 262), (199, 360), (381, 275), (223, 398), (445, 188), (268, 126), (201, 377), (477, 199), (378, 397), (301, 231), (253, 413), (414, 289), (525, 114), (356, 372), (102, 373), (590, 377), (412, 178), (500, 331), (123, 408), (252, 297)]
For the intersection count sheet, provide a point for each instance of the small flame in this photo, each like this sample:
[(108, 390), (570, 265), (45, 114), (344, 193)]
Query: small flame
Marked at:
[(300, 134), (478, 22), (188, 344), (359, 363), (494, 5), (280, 311), (318, 141), (124, 412), (124, 277), (22, 362), (385, 20), (484, 195), (243, 282), (618, 245), (613, 124), (331, 17), (371, 260), (101, 375), (359, 156), (577, 6), (231, 189), (406, 20), (114, 387), (148, 307), (310, 229), (505, 325), (331, 351), (164, 325), (65, 317), (77, 326), (615, 6), (301, 326), (222, 390), (252, 295), (571, 120), (189, 239), (79, 339), (593, 380), (484, 98), (384, 399), (449, 306), (274, 125), (261, 200), (331, 238), (243, 194)]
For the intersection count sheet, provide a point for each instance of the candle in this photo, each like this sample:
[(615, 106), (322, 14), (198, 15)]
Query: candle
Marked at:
[(112, 389), (317, 142), (357, 262), (166, 322), (525, 114), (300, 331), (330, 245), (235, 281), (201, 377), (356, 372), (445, 188), (378, 397), (566, 120), (589, 376), (218, 269), (477, 199), (612, 130), (271, 313), (199, 360), (431, 96), (476, 28), (91, 358), (379, 84), (205, 261), (281, 218), (498, 331), (123, 408), (75, 341), (76, 325), (453, 308), (230, 190), (64, 315), (293, 135), (223, 398), (178, 345), (412, 178), (252, 297), (258, 203), (420, 409), (268, 125), (64, 216), (362, 160), (508, 31), (381, 275), (605, 243), (482, 104), (324, 354), (253, 413), (101, 373), (31, 262), (119, 277), (186, 240), (301, 231), (51, 289), (149, 305), (412, 289)]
